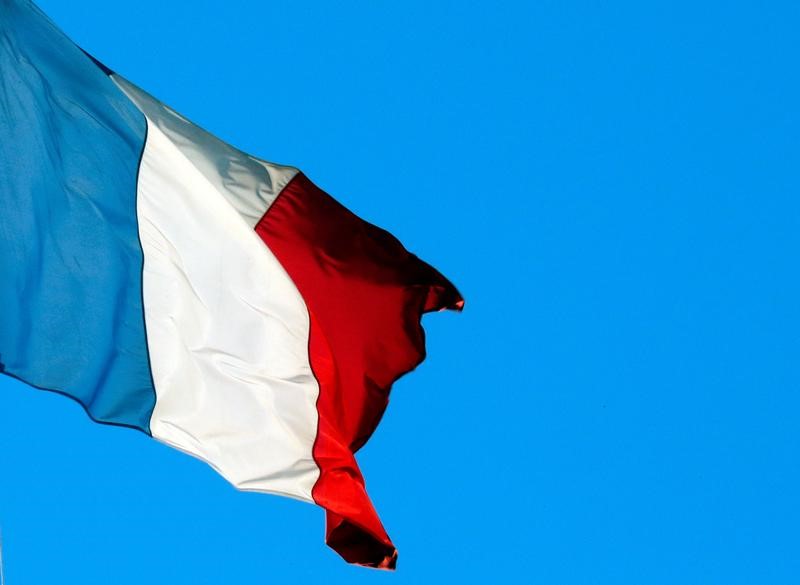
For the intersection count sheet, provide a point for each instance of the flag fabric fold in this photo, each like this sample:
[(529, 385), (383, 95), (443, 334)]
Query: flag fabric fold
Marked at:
[(171, 283)]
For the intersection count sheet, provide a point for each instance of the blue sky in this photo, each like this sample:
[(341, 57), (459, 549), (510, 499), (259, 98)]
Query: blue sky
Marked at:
[(612, 186)]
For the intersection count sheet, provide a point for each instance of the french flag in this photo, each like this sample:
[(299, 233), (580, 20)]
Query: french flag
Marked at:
[(170, 283)]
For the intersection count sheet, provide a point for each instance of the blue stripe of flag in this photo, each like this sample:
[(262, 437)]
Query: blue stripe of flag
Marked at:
[(70, 258)]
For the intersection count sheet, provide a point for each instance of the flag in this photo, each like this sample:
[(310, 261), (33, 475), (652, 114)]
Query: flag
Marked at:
[(168, 282)]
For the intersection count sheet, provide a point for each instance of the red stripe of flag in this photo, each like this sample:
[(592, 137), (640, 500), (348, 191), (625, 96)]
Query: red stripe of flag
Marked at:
[(365, 295)]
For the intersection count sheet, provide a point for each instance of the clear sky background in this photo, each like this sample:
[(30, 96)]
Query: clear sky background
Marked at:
[(614, 188)]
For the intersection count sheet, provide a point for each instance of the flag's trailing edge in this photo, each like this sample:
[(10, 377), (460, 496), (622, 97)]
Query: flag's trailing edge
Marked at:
[(171, 283)]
